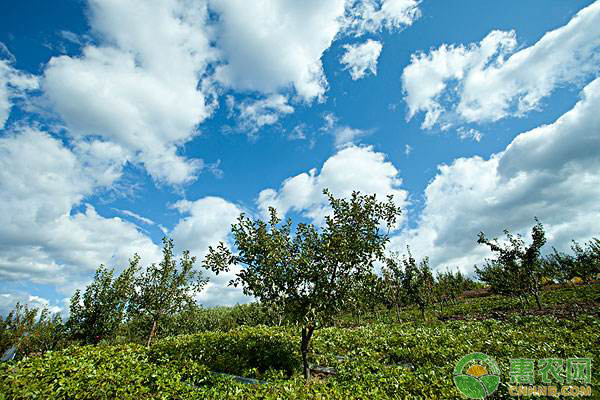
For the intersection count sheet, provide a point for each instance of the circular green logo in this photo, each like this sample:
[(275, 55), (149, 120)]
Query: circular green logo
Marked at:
[(481, 378)]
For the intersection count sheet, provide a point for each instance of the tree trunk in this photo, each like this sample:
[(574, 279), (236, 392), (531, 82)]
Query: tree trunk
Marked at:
[(398, 312), (306, 335), (537, 300), (152, 333)]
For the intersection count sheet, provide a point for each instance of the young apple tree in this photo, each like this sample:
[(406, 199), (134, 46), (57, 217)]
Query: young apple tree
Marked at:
[(99, 311), (311, 272), (163, 289), (517, 269), (409, 282)]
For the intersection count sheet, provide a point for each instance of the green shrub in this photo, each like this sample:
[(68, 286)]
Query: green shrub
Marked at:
[(90, 372), (248, 351)]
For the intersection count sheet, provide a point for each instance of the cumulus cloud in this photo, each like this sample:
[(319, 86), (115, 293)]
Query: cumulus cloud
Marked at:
[(276, 45), (251, 39), (359, 58), (453, 83), (139, 87), (550, 172), (352, 168), (13, 84), (206, 222), (44, 236), (372, 16)]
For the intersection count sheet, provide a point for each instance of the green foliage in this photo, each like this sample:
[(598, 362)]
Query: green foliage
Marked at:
[(559, 266), (450, 286), (517, 270), (425, 355), (164, 289), (566, 302), (370, 294), (305, 277), (248, 351), (587, 260), (584, 263), (311, 273), (408, 282), (195, 319), (32, 331), (409, 360), (100, 311), (102, 372)]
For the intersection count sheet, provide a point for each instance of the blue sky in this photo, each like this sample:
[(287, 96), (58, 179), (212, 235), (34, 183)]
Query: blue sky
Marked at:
[(123, 122)]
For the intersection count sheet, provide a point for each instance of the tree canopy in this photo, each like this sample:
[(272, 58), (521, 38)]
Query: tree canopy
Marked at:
[(311, 272)]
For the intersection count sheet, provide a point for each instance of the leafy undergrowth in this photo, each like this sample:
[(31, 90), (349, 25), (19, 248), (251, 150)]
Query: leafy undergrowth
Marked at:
[(103, 372), (411, 359), (249, 351)]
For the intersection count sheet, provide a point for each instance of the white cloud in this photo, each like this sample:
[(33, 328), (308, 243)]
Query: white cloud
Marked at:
[(330, 121), (407, 149), (352, 168), (361, 57), (550, 172), (453, 83), (44, 238), (254, 114), (104, 160), (343, 135), (139, 88), (298, 133), (275, 45), (471, 133), (9, 300), (136, 216), (372, 16), (13, 84), (207, 222), (215, 169)]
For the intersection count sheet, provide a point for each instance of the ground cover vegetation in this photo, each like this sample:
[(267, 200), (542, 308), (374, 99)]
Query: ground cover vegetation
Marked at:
[(377, 324)]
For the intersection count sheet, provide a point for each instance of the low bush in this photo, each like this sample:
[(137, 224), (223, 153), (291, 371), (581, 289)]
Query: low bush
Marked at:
[(248, 351), (99, 372)]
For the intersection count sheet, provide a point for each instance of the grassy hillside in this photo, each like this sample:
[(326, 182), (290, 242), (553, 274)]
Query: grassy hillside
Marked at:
[(381, 358)]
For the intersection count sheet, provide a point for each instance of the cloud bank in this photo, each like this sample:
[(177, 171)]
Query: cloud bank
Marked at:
[(452, 84)]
